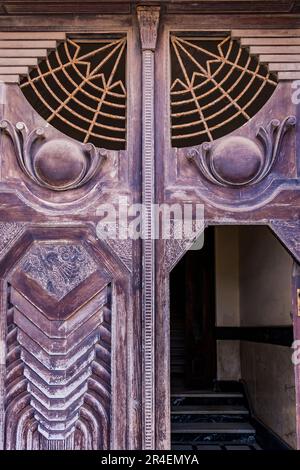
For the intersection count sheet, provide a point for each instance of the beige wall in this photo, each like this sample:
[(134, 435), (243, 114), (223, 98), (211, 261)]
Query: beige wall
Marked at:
[(227, 276), (265, 300), (227, 299), (265, 279), (269, 374), (253, 288), (228, 360)]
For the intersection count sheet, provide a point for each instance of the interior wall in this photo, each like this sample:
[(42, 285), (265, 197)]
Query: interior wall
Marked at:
[(227, 299), (265, 279), (227, 276), (265, 300), (268, 371)]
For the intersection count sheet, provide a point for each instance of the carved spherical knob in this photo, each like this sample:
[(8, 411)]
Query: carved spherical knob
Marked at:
[(60, 163), (236, 160)]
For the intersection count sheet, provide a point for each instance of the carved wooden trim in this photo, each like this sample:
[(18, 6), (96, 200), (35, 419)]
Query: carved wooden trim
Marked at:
[(148, 20), (212, 158), (176, 246), (288, 233), (122, 249), (54, 404), (279, 48), (57, 403), (56, 350), (9, 231), (20, 51), (3, 346), (48, 165), (296, 331)]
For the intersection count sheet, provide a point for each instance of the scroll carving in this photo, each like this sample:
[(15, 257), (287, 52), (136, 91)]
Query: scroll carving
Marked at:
[(238, 161), (58, 164)]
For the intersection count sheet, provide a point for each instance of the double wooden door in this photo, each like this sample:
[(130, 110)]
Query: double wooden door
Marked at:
[(120, 114)]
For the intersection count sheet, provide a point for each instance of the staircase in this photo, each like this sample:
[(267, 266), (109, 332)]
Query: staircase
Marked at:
[(211, 420), (177, 352)]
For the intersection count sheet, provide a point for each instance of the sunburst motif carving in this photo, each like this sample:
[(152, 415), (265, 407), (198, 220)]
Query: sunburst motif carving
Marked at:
[(80, 89), (216, 87)]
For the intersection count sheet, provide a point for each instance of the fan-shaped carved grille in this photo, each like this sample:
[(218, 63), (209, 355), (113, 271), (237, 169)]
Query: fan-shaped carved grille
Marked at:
[(80, 89), (216, 87)]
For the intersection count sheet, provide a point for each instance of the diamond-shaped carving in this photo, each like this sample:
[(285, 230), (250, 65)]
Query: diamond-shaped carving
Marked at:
[(58, 268), (8, 232)]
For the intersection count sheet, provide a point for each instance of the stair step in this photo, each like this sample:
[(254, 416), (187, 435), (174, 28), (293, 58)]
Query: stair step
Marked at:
[(209, 410), (191, 394), (209, 428)]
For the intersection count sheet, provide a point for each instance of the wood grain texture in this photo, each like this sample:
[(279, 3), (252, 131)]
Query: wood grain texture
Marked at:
[(23, 44), (32, 36), (62, 372), (8, 78), (148, 18), (293, 75), (58, 360), (177, 183), (116, 7), (14, 70), (114, 421), (26, 49), (32, 215), (58, 369)]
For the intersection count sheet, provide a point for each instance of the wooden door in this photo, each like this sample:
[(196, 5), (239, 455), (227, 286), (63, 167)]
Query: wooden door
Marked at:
[(70, 323), (203, 149), (111, 82)]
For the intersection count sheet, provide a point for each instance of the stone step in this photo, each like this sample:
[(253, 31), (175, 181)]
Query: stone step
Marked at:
[(203, 394), (210, 410), (212, 428)]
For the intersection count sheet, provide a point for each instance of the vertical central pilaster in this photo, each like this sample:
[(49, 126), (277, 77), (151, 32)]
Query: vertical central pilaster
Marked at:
[(148, 18)]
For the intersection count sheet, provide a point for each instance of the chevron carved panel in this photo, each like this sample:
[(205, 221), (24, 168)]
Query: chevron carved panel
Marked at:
[(58, 362)]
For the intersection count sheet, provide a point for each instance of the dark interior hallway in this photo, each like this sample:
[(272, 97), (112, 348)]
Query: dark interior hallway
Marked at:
[(219, 397)]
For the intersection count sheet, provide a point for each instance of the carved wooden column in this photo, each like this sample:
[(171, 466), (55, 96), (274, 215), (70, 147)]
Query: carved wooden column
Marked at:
[(148, 18), (296, 323), (2, 361)]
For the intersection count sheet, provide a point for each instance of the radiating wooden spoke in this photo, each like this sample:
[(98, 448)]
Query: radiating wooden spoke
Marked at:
[(216, 87), (80, 89)]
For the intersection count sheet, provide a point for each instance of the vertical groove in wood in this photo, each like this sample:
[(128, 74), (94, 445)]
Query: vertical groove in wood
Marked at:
[(148, 18), (2, 104), (296, 328), (3, 296), (148, 248)]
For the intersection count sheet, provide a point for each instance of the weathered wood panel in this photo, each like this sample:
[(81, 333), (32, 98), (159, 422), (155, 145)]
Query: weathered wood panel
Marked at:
[(273, 201), (115, 289), (60, 308)]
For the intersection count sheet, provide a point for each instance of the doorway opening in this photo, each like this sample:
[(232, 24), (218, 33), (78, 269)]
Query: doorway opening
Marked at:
[(232, 376)]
